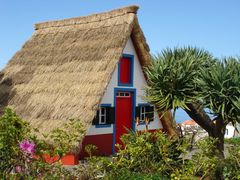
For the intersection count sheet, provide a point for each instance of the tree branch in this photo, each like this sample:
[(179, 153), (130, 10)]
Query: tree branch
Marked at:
[(197, 113)]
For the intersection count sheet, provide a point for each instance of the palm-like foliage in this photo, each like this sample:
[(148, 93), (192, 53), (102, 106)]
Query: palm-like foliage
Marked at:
[(192, 79), (220, 88), (173, 77)]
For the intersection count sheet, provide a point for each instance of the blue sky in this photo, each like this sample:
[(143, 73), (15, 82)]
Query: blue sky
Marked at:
[(210, 24)]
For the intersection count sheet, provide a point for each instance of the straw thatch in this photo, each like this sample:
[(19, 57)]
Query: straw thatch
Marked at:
[(63, 70)]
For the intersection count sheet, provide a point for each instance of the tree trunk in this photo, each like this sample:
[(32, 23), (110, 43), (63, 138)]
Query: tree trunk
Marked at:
[(215, 130), (169, 125), (197, 113), (220, 128)]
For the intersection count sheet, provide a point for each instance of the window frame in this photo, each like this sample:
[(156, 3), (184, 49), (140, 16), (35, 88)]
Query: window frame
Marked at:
[(131, 58), (102, 116), (145, 105), (106, 125), (142, 114)]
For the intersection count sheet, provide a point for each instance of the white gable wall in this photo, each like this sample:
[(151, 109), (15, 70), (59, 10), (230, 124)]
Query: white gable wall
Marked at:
[(138, 83)]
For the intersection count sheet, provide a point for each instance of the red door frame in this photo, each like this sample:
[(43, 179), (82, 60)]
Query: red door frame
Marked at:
[(133, 92)]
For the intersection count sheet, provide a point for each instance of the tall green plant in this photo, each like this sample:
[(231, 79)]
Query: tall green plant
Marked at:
[(220, 88), (173, 75), (12, 131), (191, 79)]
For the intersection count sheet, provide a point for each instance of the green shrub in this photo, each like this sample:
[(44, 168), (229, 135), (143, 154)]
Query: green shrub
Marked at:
[(205, 161), (63, 140), (233, 141), (145, 155), (231, 168), (91, 149), (19, 148), (155, 156), (128, 175), (13, 130)]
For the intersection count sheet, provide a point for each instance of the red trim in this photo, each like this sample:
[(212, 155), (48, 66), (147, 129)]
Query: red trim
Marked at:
[(103, 142)]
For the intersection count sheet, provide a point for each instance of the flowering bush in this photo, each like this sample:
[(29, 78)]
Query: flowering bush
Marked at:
[(21, 152), (145, 156), (27, 147), (12, 131)]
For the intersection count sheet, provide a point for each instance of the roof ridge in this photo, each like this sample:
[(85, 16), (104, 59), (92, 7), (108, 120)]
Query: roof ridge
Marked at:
[(89, 18)]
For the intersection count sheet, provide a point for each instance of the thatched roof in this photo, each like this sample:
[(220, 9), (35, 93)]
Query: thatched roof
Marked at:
[(63, 70)]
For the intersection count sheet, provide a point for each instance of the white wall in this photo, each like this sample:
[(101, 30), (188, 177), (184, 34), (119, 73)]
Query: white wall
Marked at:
[(138, 83), (138, 79), (229, 133)]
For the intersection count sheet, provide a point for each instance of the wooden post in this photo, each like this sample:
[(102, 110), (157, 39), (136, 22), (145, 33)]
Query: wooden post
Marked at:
[(137, 121), (146, 123)]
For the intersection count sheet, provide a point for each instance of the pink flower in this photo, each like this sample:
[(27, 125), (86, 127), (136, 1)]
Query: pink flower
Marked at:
[(18, 169), (27, 147)]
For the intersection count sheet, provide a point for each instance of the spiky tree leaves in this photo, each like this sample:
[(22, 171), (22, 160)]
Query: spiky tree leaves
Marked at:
[(173, 77), (172, 80), (191, 79), (220, 88)]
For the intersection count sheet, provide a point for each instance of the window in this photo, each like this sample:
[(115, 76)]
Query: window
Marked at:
[(123, 94), (102, 115), (125, 70), (142, 114), (144, 111)]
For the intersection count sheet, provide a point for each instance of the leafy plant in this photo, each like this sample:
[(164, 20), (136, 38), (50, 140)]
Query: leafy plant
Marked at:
[(172, 77), (91, 149), (191, 79), (147, 154), (12, 131), (233, 141), (21, 152), (231, 169), (205, 161), (65, 140), (220, 88)]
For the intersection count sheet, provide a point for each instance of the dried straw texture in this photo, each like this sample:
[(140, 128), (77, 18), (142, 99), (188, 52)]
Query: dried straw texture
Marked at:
[(63, 70)]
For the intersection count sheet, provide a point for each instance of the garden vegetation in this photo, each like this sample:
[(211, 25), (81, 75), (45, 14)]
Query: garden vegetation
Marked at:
[(203, 86), (146, 155)]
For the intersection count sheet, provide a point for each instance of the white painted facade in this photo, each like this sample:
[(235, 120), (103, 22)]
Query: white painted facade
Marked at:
[(138, 83), (229, 132)]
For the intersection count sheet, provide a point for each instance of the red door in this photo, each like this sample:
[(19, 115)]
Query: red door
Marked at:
[(123, 114)]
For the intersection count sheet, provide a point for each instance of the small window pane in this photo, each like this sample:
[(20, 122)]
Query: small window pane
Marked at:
[(103, 111), (142, 114), (127, 94), (102, 115)]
